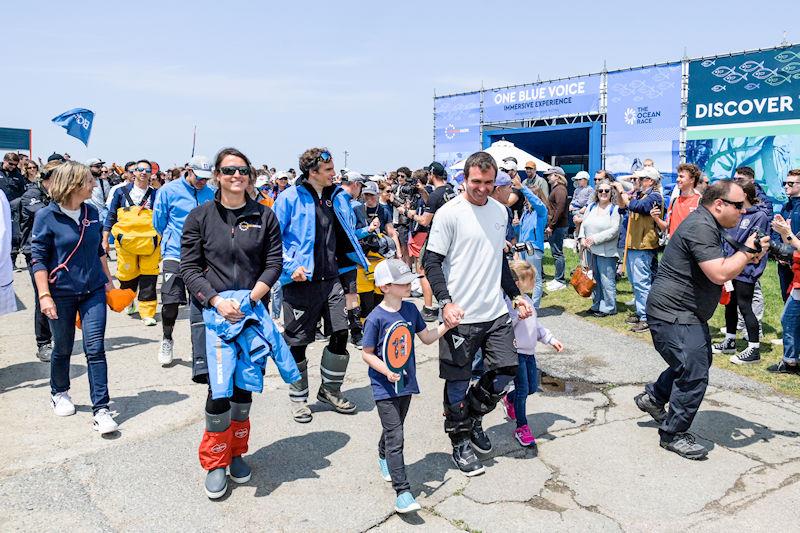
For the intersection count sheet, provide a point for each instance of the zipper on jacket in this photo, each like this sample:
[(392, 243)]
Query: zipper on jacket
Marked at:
[(233, 250)]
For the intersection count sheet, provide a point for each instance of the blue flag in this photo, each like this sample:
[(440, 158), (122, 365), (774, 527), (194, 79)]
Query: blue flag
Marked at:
[(77, 122)]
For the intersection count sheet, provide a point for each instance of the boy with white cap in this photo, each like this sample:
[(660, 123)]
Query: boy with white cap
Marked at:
[(389, 351)]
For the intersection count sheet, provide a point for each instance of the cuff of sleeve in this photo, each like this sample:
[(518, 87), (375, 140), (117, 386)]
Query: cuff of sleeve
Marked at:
[(269, 278), (209, 297), (38, 266)]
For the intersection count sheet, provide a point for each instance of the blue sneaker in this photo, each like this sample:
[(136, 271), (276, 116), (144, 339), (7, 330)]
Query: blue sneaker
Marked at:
[(384, 469), (406, 503)]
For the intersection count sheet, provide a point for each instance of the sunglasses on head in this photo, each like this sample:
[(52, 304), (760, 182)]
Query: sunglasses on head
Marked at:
[(737, 205), (230, 171)]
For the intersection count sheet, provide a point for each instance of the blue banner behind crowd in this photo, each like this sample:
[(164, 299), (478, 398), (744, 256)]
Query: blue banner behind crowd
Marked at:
[(457, 127), (78, 123), (752, 87), (643, 119), (575, 96)]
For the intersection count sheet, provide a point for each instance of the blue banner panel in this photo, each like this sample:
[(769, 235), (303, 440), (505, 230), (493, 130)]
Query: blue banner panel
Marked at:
[(457, 127), (771, 156), (643, 119), (745, 88), (575, 96)]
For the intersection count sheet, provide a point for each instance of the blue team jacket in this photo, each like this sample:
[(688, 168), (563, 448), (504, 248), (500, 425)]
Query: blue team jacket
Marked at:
[(54, 237), (533, 223), (237, 353), (297, 216), (172, 205)]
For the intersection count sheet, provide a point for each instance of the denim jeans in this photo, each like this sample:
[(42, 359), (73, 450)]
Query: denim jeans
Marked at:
[(525, 384), (557, 249), (604, 296), (536, 261), (277, 300), (640, 269), (92, 309), (790, 322)]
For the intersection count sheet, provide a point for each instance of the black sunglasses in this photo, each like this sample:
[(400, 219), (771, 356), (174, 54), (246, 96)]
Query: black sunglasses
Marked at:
[(737, 205), (603, 191), (789, 183), (230, 171), (143, 170)]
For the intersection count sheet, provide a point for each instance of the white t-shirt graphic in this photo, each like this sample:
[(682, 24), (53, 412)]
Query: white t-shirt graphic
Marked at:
[(472, 238)]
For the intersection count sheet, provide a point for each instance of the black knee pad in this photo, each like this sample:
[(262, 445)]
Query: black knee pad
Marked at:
[(480, 397), (457, 420), (338, 342)]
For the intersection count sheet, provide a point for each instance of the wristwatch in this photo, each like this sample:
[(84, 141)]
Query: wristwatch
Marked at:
[(443, 302)]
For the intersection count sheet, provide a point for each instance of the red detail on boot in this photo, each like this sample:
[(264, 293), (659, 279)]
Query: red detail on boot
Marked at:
[(215, 449), (240, 429)]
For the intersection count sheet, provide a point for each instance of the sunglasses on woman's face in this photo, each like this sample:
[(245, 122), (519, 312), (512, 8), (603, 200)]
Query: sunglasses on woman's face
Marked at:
[(603, 191), (230, 171)]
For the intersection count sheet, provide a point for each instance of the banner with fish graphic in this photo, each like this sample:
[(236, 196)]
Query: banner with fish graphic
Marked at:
[(643, 119), (457, 127), (744, 89)]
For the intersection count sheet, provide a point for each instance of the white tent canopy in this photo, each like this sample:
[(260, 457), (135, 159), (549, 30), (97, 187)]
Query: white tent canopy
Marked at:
[(501, 150)]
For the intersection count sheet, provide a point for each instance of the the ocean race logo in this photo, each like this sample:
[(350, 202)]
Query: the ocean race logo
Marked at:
[(451, 131), (640, 115)]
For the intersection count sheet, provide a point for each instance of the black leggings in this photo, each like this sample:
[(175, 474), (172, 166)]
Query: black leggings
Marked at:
[(169, 314), (742, 299), (222, 405)]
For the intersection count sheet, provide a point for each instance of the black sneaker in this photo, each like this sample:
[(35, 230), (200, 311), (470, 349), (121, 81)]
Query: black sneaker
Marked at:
[(726, 346), (632, 319), (44, 352), (478, 438), (748, 356), (640, 327), (466, 460), (684, 445), (784, 368), (356, 338), (647, 404), (429, 314)]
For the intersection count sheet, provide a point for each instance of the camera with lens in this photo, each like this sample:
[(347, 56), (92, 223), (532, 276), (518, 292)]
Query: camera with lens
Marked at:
[(526, 247), (380, 244)]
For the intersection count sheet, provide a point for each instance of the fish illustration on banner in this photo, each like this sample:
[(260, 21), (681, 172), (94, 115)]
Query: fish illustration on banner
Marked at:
[(78, 123)]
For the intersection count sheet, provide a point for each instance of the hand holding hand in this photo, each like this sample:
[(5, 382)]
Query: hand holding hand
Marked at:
[(452, 315), (524, 309)]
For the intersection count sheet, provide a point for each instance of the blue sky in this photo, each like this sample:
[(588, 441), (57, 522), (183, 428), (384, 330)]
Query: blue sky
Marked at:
[(275, 78)]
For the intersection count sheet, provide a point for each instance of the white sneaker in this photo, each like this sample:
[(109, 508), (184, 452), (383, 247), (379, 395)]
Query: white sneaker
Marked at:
[(165, 352), (555, 286), (149, 321), (131, 309), (103, 422), (62, 404)]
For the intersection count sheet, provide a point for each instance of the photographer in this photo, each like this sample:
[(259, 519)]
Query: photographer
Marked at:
[(682, 299), (402, 192), (787, 251)]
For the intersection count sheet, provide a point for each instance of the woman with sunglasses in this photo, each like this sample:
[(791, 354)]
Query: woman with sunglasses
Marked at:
[(231, 244), (598, 238), (130, 221)]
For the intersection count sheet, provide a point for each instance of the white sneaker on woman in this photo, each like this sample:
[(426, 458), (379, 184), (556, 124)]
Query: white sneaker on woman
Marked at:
[(103, 422), (62, 404)]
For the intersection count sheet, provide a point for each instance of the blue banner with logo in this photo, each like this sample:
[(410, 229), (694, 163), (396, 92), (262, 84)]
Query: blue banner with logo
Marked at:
[(643, 119), (745, 88), (457, 127), (575, 96), (78, 123)]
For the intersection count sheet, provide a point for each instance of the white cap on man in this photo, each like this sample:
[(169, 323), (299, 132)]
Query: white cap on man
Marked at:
[(201, 167)]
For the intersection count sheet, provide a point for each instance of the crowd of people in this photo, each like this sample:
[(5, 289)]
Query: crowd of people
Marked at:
[(271, 261)]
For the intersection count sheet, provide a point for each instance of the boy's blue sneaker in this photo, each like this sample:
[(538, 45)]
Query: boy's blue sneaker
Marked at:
[(384, 469), (406, 503)]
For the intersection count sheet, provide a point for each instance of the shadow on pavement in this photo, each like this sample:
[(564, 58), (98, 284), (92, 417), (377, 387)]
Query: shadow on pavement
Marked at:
[(120, 343), (428, 474), (20, 375), (128, 407), (552, 310), (732, 431), (293, 458)]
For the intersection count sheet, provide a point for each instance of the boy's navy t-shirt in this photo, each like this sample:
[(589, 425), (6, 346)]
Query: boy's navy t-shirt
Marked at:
[(375, 328)]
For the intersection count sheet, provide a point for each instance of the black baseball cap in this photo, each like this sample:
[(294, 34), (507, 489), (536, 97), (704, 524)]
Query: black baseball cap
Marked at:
[(436, 169), (56, 157)]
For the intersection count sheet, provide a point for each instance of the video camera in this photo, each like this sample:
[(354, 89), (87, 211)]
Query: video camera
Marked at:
[(526, 247)]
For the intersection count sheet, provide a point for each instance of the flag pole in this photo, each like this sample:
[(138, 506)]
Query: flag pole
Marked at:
[(194, 139)]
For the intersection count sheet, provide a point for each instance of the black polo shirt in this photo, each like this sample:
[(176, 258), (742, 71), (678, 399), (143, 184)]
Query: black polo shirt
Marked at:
[(681, 292)]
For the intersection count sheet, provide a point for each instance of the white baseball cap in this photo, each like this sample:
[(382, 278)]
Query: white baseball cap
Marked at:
[(393, 271), (201, 166)]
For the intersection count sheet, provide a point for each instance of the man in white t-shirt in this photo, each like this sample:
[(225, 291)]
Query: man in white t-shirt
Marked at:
[(468, 273)]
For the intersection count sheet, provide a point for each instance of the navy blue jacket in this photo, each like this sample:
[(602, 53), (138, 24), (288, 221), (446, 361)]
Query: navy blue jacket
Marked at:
[(752, 219), (55, 236), (764, 203)]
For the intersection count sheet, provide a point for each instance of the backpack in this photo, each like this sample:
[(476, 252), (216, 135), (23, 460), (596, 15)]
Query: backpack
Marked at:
[(134, 230), (610, 212)]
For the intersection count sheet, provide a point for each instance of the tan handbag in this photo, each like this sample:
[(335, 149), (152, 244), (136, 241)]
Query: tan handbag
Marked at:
[(581, 280)]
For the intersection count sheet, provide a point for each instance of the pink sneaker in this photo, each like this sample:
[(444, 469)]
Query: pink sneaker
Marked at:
[(524, 436), (508, 408)]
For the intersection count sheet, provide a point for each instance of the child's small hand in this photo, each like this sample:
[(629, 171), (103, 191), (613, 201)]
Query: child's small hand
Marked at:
[(557, 345), (393, 377)]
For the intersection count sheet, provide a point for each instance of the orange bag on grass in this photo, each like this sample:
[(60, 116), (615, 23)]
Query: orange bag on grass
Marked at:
[(116, 300)]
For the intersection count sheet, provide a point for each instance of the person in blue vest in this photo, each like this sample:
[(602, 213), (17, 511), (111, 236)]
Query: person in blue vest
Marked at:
[(173, 203), (320, 243), (791, 213)]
